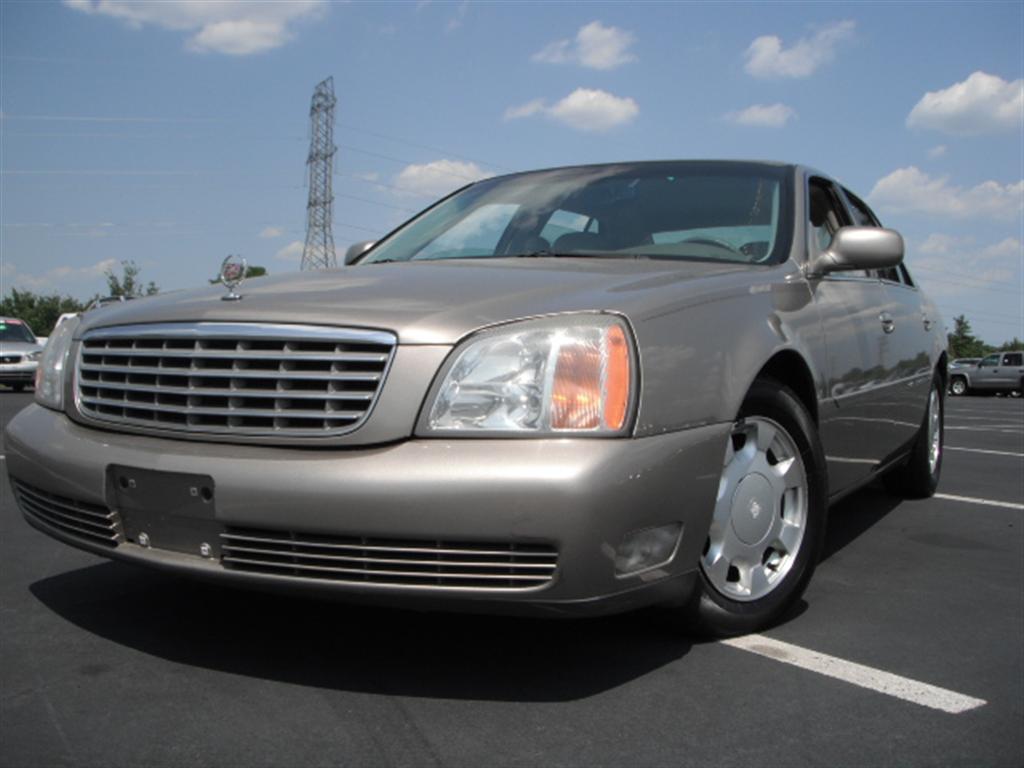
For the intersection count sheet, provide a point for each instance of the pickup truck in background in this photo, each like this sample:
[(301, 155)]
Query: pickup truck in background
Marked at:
[(998, 372)]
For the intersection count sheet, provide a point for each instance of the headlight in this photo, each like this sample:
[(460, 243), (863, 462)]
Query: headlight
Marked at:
[(53, 364), (33, 356), (570, 374)]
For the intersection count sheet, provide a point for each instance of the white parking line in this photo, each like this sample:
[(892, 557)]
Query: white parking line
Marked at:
[(993, 419), (983, 450), (985, 502), (857, 674), (987, 429)]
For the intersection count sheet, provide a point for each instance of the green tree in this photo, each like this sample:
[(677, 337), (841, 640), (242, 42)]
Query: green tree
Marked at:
[(40, 312), (1010, 346), (129, 285), (962, 342)]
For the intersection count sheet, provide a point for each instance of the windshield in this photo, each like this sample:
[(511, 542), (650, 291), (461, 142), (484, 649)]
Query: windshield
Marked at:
[(734, 212), (15, 331)]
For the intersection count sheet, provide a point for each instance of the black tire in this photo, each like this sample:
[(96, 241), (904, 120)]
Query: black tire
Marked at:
[(712, 613), (958, 386), (17, 387), (917, 477)]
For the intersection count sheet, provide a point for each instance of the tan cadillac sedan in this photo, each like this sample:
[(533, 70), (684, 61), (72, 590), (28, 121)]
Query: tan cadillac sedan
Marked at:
[(575, 390)]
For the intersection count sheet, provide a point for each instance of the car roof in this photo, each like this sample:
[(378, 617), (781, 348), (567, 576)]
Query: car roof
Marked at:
[(752, 164)]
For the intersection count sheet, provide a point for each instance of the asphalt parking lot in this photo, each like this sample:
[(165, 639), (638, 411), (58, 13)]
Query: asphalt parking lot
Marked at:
[(908, 649)]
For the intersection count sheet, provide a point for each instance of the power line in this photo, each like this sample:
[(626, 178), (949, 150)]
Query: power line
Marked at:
[(423, 146)]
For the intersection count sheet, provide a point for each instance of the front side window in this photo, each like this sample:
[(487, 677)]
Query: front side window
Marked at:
[(990, 361), (706, 211)]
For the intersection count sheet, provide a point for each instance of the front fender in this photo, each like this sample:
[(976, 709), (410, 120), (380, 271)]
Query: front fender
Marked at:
[(698, 361)]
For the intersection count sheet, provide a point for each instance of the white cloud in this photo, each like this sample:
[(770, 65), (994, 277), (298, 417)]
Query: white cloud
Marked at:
[(766, 115), (584, 109), (269, 233), (982, 103), (62, 279), (221, 26), (936, 244), (595, 47), (528, 109), (766, 56), (910, 190), (458, 19), (437, 178), (953, 266), (937, 151), (291, 252)]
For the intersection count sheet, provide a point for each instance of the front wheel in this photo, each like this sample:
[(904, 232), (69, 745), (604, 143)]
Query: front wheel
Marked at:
[(918, 476), (769, 518)]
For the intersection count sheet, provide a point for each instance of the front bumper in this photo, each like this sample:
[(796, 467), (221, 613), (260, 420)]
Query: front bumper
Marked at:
[(576, 496), (18, 373)]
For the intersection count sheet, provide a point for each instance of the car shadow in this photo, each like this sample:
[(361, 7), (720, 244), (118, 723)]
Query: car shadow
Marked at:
[(327, 644), (334, 645), (854, 515)]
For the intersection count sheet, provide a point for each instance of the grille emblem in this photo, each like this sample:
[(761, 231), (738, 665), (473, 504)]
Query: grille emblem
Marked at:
[(232, 273)]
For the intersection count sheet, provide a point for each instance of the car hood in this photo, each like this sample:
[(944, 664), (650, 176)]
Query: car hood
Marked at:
[(437, 302), (18, 347)]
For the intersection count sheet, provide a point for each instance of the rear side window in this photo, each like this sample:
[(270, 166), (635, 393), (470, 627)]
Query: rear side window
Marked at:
[(865, 217), (1013, 358)]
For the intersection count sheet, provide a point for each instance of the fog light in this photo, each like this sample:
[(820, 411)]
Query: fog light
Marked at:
[(648, 548)]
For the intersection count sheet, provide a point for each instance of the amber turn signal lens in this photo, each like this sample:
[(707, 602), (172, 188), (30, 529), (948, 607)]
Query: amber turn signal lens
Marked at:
[(616, 388), (591, 383)]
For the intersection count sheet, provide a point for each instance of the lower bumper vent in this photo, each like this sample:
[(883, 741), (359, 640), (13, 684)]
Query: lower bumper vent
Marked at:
[(88, 522), (356, 560)]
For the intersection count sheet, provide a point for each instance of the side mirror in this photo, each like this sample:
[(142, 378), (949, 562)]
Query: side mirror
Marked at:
[(358, 249), (858, 248)]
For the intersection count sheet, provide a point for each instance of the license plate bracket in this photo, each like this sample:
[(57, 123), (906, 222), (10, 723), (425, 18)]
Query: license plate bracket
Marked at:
[(166, 510)]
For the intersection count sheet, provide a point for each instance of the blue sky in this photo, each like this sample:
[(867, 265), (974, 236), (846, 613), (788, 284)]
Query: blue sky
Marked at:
[(175, 133)]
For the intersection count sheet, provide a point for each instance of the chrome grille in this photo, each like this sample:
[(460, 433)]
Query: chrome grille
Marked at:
[(360, 560), (90, 522), (233, 378)]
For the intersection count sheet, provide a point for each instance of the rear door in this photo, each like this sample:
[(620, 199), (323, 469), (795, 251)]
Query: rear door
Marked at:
[(1007, 375)]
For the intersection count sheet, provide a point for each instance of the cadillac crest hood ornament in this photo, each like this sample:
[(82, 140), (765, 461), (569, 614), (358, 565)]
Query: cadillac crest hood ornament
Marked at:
[(232, 273)]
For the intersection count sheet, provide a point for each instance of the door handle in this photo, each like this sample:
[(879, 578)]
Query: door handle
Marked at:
[(888, 324)]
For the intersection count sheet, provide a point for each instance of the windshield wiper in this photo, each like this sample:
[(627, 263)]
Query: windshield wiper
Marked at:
[(546, 254)]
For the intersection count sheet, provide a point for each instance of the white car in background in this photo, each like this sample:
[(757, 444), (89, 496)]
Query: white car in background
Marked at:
[(20, 351)]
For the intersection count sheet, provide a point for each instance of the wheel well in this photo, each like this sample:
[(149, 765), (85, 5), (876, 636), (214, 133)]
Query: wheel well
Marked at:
[(789, 368)]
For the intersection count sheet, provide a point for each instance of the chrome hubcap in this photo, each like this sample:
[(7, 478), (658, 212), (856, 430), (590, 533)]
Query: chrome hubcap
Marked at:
[(760, 513), (934, 431)]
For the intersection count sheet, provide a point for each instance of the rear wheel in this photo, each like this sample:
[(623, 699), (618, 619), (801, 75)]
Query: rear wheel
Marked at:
[(769, 518), (17, 387), (918, 476), (958, 386)]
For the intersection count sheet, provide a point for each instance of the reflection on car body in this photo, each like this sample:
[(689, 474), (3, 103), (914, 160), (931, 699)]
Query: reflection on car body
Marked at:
[(998, 373), (580, 390)]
